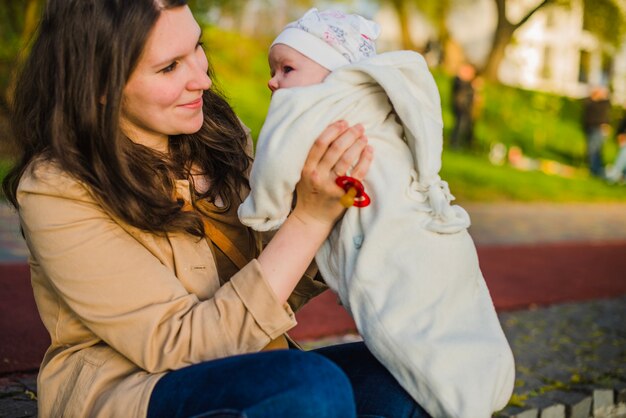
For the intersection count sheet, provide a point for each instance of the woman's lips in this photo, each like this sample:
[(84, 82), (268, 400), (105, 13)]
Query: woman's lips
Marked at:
[(196, 104)]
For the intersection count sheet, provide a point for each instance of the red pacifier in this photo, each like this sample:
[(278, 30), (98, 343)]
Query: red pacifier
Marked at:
[(355, 192)]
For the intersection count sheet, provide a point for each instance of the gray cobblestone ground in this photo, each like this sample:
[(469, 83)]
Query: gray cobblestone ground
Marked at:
[(565, 354), (18, 396)]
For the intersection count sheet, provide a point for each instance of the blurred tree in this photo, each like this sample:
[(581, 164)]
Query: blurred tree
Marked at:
[(203, 8), (437, 13), (440, 14), (604, 18), (504, 33), (18, 23), (402, 9), (250, 17)]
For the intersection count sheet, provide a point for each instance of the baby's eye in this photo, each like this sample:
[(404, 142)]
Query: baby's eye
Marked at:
[(170, 67), (287, 69), (200, 44)]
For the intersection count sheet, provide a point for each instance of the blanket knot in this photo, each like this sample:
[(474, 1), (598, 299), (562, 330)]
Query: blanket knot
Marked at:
[(434, 198)]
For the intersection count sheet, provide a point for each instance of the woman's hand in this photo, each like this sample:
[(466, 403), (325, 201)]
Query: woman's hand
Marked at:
[(286, 257), (332, 155)]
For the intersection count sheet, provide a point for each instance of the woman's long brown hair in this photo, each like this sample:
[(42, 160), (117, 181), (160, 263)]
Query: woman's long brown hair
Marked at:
[(67, 106)]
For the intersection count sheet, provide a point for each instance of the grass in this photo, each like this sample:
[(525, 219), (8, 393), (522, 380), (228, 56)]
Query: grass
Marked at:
[(474, 179)]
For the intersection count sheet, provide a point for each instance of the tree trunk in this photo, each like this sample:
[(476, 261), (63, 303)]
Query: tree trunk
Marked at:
[(501, 39), (402, 11), (443, 9), (31, 20), (503, 35)]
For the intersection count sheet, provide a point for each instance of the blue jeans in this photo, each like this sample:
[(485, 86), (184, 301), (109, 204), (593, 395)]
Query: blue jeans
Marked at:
[(595, 141), (341, 381)]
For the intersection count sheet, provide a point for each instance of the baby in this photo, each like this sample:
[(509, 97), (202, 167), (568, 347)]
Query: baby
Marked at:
[(300, 55), (404, 267)]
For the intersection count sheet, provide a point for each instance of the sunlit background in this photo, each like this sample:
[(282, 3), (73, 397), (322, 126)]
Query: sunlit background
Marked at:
[(536, 61)]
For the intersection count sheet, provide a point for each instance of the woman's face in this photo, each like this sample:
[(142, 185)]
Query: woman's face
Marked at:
[(164, 93)]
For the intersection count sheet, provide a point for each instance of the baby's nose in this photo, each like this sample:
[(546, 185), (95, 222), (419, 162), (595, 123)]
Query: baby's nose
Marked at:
[(272, 84)]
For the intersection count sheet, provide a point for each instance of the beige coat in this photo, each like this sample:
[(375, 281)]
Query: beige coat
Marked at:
[(124, 306)]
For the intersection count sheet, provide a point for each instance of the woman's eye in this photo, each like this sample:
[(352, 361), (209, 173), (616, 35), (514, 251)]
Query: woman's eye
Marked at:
[(170, 67)]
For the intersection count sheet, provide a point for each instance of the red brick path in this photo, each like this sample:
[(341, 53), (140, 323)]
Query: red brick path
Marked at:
[(517, 276)]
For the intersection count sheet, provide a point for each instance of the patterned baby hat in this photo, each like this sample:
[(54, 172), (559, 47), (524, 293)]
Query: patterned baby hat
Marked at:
[(331, 38)]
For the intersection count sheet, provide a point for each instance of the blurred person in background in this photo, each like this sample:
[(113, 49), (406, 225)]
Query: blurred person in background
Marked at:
[(462, 107), (596, 125), (617, 171)]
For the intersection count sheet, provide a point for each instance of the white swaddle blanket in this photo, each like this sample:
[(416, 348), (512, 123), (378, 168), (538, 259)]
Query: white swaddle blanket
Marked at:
[(404, 267)]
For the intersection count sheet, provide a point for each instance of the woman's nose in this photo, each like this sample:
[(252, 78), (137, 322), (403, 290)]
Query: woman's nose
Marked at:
[(205, 81), (199, 79)]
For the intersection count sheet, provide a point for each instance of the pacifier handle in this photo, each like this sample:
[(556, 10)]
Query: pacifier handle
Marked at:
[(355, 192)]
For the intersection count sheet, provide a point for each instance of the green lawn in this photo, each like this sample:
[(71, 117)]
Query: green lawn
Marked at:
[(474, 179)]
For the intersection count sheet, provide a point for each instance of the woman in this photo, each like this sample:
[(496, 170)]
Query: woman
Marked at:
[(128, 159)]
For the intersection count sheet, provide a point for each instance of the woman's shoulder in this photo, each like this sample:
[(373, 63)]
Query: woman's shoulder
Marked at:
[(47, 177)]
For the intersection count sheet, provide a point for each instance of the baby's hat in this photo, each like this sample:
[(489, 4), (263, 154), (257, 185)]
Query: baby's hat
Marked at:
[(331, 38)]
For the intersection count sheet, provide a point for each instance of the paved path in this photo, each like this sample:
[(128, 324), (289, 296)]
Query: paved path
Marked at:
[(492, 224), (543, 223), (570, 357)]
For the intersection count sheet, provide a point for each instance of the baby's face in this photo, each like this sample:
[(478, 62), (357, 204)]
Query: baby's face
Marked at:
[(289, 68)]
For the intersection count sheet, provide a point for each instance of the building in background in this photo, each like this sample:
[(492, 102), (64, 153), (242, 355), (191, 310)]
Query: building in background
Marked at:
[(554, 52), (551, 52)]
